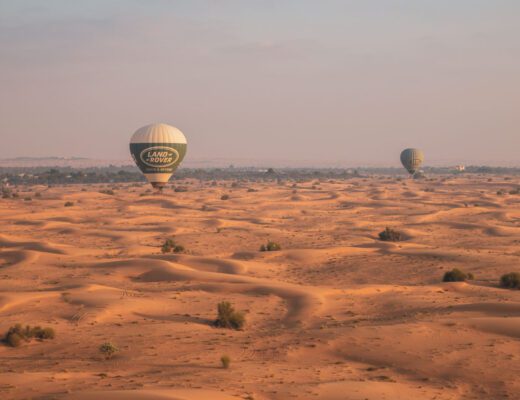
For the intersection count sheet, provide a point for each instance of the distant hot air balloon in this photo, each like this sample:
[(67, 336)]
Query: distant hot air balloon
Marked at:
[(412, 159), (158, 149)]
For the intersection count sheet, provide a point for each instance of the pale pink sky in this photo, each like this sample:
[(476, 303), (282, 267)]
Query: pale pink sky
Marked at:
[(316, 81)]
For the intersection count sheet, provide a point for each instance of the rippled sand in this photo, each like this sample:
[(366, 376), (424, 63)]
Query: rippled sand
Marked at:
[(336, 314)]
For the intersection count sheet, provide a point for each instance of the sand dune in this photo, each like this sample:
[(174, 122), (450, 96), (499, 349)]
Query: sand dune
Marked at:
[(335, 314), (18, 257), (508, 327), (193, 394), (39, 246)]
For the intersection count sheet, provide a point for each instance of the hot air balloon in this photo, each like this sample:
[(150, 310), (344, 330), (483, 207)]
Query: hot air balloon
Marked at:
[(412, 159), (158, 149)]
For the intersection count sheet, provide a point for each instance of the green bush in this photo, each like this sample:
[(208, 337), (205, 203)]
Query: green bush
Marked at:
[(178, 248), (108, 350), (43, 333), (6, 193), (14, 339), (510, 281), (456, 275), (170, 246), (270, 246), (229, 318), (225, 360), (167, 246), (390, 235), (18, 334)]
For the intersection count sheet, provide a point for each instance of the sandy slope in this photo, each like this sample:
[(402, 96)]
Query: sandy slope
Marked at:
[(336, 314)]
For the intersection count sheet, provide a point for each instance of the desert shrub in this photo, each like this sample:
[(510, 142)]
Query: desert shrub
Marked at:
[(27, 199), (6, 193), (500, 192), (180, 189), (108, 350), (110, 192), (251, 190), (224, 197), (169, 246), (178, 248), (235, 185), (43, 333), (270, 246), (515, 191), (18, 334), (225, 360), (510, 281), (390, 235), (38, 195), (14, 339), (227, 317), (68, 204), (456, 275)]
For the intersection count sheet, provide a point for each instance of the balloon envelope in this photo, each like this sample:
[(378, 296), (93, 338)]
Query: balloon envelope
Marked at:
[(412, 159), (158, 149)]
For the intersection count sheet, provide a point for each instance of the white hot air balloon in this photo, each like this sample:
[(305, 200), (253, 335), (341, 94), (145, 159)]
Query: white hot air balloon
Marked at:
[(158, 149)]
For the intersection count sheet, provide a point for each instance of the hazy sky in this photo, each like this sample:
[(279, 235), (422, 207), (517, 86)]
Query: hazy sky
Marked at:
[(309, 81)]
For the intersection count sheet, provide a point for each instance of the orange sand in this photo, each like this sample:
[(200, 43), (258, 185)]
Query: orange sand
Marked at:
[(336, 314)]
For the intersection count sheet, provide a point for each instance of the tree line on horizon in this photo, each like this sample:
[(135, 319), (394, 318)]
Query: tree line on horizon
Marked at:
[(127, 174)]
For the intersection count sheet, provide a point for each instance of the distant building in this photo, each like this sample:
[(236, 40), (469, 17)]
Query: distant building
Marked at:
[(460, 168)]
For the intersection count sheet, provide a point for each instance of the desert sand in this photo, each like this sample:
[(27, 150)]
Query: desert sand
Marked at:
[(336, 314)]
